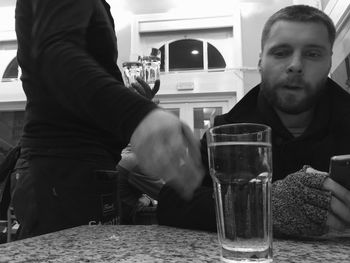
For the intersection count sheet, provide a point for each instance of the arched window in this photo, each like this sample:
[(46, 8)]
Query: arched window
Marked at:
[(186, 54), (11, 72), (215, 59), (190, 54)]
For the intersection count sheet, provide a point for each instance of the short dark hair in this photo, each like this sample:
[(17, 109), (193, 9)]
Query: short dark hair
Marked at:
[(299, 13)]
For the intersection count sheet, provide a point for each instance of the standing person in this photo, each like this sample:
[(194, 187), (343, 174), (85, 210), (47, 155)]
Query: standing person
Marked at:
[(310, 119), (79, 116)]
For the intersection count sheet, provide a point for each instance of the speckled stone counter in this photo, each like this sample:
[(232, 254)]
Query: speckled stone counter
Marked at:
[(153, 243)]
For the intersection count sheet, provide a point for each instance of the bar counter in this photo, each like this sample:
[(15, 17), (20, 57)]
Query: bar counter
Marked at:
[(153, 243)]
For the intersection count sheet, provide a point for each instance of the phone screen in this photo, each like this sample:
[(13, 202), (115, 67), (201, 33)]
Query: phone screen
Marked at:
[(339, 170)]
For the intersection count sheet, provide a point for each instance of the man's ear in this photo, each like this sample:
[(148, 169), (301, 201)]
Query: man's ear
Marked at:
[(259, 64)]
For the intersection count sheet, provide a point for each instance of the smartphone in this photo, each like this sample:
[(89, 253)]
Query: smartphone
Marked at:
[(339, 169)]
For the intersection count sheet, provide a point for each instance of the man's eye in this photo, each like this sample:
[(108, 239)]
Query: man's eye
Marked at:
[(313, 54), (280, 53)]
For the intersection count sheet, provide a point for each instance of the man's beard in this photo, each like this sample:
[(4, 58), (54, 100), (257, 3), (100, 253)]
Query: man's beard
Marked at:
[(290, 104)]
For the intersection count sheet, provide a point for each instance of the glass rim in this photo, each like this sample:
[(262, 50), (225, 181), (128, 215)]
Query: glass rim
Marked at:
[(264, 127), (131, 63)]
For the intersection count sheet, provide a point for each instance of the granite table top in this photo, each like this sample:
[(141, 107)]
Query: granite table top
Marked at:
[(153, 243)]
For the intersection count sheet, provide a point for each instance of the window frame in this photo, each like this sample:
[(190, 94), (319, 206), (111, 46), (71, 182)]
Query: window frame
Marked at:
[(204, 55)]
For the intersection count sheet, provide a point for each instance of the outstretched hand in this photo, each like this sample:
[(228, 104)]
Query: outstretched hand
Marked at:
[(166, 149), (142, 88)]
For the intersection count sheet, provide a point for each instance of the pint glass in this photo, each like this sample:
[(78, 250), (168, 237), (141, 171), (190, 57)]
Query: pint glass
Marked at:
[(240, 162)]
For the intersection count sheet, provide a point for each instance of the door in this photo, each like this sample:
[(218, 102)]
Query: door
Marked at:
[(199, 116)]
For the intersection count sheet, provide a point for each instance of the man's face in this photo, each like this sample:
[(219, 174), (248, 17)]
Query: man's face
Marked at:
[(294, 65)]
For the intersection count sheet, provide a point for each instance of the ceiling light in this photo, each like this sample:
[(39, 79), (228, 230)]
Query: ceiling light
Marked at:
[(194, 52)]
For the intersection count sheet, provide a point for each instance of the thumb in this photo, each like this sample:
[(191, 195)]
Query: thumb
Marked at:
[(156, 87)]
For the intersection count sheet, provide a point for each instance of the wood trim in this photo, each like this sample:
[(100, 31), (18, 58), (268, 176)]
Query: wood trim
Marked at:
[(176, 24)]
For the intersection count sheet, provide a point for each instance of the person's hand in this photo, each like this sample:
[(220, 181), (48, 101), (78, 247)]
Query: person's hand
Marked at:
[(300, 205), (339, 214), (166, 149), (128, 160), (141, 87)]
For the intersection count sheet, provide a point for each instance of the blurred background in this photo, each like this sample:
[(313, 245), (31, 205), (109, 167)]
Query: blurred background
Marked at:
[(209, 53)]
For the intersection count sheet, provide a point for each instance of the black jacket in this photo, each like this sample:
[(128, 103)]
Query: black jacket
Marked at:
[(67, 51), (327, 135)]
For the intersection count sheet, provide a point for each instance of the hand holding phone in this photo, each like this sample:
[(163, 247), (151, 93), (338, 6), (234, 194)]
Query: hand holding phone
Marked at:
[(339, 170)]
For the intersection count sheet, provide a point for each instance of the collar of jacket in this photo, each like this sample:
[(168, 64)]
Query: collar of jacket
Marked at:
[(253, 107), (317, 126)]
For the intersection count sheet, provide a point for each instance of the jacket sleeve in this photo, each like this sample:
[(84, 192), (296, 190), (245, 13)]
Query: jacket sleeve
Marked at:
[(198, 213), (77, 81)]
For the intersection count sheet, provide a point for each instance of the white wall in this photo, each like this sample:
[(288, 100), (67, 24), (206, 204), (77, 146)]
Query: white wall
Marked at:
[(324, 3), (7, 22), (339, 11)]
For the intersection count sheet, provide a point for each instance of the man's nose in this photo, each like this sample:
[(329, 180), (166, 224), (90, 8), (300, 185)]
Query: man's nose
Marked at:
[(295, 65)]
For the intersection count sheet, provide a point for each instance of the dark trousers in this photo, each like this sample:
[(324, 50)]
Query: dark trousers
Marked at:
[(57, 191)]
